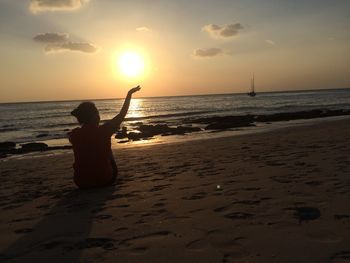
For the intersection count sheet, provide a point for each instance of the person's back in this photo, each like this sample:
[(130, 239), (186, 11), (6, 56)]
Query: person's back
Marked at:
[(94, 164), (92, 156)]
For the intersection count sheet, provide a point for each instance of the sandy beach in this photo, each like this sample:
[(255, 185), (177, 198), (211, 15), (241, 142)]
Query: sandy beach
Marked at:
[(278, 196)]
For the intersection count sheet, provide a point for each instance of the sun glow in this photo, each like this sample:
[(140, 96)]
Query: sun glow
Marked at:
[(131, 64)]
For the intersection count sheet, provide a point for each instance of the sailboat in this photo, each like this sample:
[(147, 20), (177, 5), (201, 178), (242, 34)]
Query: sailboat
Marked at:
[(252, 85)]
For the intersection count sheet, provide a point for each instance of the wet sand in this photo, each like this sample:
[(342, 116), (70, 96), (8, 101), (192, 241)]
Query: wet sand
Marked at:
[(280, 196)]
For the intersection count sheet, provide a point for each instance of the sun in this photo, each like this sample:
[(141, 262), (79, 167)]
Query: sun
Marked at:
[(131, 64)]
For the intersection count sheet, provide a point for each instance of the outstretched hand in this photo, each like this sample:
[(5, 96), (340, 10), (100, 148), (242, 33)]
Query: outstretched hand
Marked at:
[(133, 90)]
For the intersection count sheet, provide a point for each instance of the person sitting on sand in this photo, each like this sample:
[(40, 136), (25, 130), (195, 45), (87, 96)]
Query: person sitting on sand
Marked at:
[(94, 163)]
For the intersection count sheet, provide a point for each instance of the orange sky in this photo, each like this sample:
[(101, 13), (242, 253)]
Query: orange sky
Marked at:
[(63, 50)]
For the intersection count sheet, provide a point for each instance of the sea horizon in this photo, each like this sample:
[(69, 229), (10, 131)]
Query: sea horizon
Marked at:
[(171, 96)]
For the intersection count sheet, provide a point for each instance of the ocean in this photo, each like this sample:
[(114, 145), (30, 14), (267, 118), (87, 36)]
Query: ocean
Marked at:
[(45, 121)]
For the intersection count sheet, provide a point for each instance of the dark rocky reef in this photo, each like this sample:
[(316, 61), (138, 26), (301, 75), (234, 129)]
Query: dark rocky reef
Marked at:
[(148, 131), (34, 146), (224, 122), (7, 148), (288, 116), (122, 133), (229, 122)]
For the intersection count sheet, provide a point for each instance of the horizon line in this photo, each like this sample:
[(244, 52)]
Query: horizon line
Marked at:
[(189, 95)]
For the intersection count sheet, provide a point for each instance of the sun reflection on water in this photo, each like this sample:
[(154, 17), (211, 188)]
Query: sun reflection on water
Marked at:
[(136, 109)]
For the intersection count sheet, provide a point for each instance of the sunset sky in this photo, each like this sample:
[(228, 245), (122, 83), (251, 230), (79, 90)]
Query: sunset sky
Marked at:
[(71, 49)]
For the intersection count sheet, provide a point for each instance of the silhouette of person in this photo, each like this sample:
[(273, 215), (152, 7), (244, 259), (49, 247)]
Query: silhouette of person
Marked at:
[(94, 163)]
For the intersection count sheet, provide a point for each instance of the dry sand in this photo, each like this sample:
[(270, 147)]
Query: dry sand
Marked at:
[(232, 199)]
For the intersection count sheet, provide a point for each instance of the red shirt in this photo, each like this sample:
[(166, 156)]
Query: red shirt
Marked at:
[(92, 155)]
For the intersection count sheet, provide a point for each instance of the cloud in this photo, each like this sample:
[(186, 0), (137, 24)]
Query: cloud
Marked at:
[(58, 42), (208, 52), (271, 42), (71, 46), (225, 31), (51, 37), (55, 5), (144, 29)]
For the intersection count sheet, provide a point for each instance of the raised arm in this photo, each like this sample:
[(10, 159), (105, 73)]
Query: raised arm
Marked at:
[(114, 123)]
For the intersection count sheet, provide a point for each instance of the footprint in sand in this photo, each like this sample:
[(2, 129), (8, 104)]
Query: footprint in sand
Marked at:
[(139, 249), (138, 243), (237, 256), (281, 179), (306, 213), (159, 187), (102, 217), (185, 188), (122, 206), (274, 163), (195, 196), (121, 229), (341, 216), (313, 183), (222, 208), (219, 240), (248, 202), (98, 209), (23, 230), (158, 205), (239, 215), (251, 188), (324, 236), (232, 249), (341, 257), (52, 245), (197, 244), (21, 219), (105, 243), (157, 179)]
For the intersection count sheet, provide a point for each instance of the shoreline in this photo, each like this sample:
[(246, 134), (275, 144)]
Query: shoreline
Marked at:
[(277, 196), (61, 146)]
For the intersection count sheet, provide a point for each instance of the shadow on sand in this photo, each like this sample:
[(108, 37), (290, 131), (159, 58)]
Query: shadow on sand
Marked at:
[(63, 233)]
